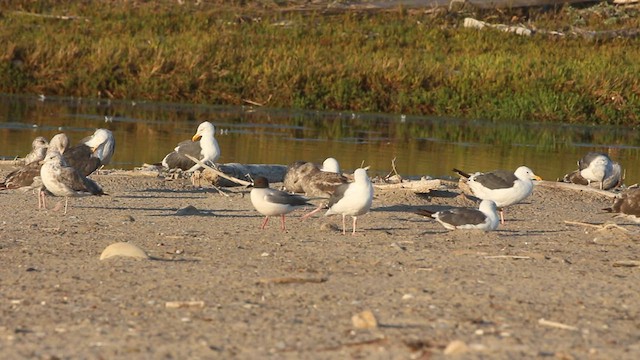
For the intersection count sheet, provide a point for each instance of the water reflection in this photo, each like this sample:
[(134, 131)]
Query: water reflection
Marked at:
[(146, 131)]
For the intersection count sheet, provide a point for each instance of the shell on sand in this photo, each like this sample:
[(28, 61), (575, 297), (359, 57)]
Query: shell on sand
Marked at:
[(123, 249)]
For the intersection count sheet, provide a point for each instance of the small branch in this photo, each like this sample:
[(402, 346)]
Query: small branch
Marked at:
[(393, 170), (257, 103), (626, 263), (514, 257), (183, 304), (293, 280), (557, 325), (598, 227), (220, 173)]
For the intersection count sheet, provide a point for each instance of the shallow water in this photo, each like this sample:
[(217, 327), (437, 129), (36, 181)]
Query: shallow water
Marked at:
[(146, 131)]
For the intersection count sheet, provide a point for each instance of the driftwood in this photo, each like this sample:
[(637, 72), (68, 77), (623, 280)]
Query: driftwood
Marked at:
[(574, 187), (273, 172), (14, 162), (575, 32), (418, 186)]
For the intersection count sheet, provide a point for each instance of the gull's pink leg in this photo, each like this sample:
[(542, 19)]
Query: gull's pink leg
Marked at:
[(283, 227), (344, 225), (313, 212), (264, 223), (355, 219)]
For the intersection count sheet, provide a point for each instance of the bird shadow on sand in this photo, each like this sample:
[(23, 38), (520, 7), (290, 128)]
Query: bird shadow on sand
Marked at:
[(411, 208)]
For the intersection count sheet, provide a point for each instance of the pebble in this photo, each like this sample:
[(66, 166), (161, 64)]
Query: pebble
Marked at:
[(456, 347), (123, 249), (364, 320)]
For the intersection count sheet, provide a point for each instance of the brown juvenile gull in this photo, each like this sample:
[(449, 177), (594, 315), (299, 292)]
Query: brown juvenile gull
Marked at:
[(596, 168), (63, 180), (352, 199), (206, 150), (299, 173), (23, 177), (503, 187), (38, 150), (628, 204), (272, 202), (484, 218)]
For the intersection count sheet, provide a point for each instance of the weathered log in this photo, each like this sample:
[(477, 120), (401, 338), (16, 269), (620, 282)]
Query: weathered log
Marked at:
[(574, 187), (419, 186), (273, 172), (14, 162)]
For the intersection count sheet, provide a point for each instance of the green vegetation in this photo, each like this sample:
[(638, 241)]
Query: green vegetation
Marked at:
[(401, 61)]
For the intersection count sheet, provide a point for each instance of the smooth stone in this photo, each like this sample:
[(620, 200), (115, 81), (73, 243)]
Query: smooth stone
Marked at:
[(123, 249)]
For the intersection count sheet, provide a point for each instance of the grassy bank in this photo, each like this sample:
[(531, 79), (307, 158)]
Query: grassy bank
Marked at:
[(401, 61)]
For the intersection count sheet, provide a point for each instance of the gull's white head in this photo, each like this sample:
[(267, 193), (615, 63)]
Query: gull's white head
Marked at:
[(39, 142), (524, 172), (488, 206), (360, 176), (59, 143), (330, 165), (54, 157), (205, 128)]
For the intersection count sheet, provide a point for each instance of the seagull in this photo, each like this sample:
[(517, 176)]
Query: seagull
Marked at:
[(353, 199), (102, 144), (485, 218), (501, 186), (63, 180), (295, 174), (299, 173), (628, 204), (38, 150), (24, 177), (596, 168), (272, 202), (206, 150)]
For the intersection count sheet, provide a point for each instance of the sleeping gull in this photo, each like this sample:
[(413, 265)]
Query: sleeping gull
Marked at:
[(352, 199), (206, 150), (596, 168), (484, 218), (38, 150), (503, 187), (103, 145), (272, 202), (627, 204), (299, 173), (63, 180)]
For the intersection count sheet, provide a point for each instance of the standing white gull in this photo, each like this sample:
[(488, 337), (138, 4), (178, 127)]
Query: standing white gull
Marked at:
[(272, 202), (596, 169), (38, 150), (206, 150), (485, 218), (352, 199), (627, 204), (63, 180), (503, 187)]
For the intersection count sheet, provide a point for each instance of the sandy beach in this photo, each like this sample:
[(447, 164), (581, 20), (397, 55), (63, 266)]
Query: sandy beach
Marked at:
[(403, 288)]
